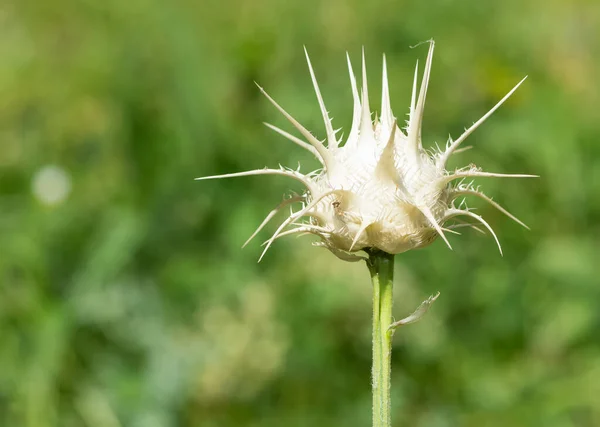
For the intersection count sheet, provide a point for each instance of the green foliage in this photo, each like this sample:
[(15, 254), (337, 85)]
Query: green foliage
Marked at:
[(130, 303)]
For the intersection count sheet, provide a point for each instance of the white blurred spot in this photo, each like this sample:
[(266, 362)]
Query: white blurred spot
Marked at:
[(51, 185)]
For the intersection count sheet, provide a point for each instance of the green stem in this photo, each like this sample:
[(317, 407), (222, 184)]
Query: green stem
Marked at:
[(381, 267)]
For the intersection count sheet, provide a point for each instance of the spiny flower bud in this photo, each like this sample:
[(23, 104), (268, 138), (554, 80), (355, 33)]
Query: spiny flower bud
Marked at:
[(380, 189)]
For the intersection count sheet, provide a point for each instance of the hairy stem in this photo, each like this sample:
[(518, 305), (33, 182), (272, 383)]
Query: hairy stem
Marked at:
[(381, 267)]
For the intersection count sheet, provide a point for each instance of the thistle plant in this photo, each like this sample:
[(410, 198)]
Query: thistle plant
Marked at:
[(379, 194)]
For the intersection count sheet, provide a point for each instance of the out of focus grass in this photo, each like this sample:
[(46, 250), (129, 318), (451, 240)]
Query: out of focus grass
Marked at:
[(125, 299)]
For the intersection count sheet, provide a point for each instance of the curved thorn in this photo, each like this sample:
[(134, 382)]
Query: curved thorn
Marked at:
[(479, 194), (465, 224), (295, 175), (303, 229), (454, 212), (271, 214), (293, 217), (442, 160)]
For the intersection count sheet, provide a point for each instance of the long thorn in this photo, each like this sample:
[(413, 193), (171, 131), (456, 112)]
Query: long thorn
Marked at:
[(325, 155), (295, 140), (366, 126), (386, 108), (332, 142), (353, 136), (416, 119), (441, 163)]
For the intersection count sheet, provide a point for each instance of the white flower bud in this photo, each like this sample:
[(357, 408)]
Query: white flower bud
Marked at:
[(381, 189)]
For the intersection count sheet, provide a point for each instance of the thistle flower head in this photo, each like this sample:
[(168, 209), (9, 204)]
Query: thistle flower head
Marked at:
[(380, 189)]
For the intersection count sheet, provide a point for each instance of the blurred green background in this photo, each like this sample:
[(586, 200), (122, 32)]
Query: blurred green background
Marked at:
[(125, 299)]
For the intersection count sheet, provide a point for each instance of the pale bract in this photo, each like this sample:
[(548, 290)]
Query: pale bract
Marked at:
[(380, 189)]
